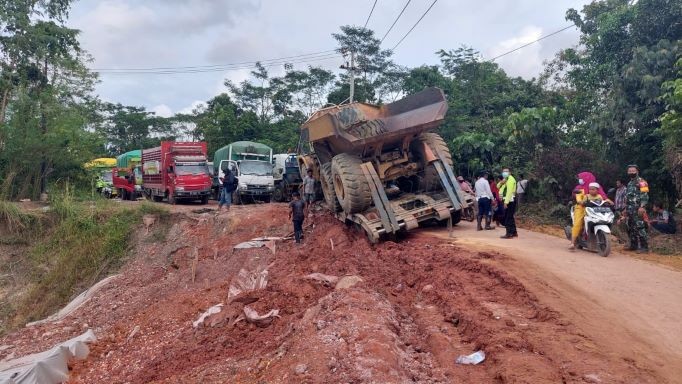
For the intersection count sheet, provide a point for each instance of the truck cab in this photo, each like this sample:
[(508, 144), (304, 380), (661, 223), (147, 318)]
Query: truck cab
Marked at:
[(256, 180), (287, 176)]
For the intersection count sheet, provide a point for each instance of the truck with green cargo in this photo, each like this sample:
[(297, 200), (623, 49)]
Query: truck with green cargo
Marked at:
[(251, 163), (127, 176)]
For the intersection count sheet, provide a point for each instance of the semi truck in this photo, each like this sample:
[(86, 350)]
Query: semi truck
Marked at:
[(127, 176), (103, 176), (384, 168), (176, 171), (251, 163), (287, 176)]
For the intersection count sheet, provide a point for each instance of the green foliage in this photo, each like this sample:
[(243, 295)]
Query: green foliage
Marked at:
[(87, 242)]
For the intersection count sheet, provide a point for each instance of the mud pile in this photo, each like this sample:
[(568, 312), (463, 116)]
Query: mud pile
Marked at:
[(410, 309)]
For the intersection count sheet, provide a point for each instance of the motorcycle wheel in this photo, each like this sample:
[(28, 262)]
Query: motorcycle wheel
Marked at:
[(603, 244)]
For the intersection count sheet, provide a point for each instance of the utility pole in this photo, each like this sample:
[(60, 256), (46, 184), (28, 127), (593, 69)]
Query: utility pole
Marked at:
[(351, 69)]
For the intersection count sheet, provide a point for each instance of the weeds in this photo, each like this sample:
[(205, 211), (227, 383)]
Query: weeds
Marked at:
[(16, 220)]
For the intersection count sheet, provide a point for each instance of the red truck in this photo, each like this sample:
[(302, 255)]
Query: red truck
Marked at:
[(176, 171)]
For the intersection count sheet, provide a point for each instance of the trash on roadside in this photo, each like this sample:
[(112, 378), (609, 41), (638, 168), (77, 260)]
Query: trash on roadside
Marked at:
[(211, 311), (260, 320), (247, 281), (473, 359), (326, 280)]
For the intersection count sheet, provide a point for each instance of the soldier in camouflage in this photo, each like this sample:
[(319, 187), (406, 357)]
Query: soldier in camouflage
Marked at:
[(637, 197)]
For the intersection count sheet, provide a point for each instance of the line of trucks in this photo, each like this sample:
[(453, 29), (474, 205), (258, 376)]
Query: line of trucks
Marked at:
[(382, 168)]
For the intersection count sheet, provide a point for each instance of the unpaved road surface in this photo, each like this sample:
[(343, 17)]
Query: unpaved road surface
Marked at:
[(630, 306), (415, 306)]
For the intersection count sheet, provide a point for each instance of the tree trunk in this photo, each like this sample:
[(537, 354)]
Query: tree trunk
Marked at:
[(43, 129)]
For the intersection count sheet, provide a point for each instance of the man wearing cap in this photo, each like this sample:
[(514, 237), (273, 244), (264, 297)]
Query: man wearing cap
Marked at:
[(637, 197)]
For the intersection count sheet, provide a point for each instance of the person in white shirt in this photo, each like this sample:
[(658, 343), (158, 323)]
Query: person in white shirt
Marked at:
[(521, 188), (484, 196)]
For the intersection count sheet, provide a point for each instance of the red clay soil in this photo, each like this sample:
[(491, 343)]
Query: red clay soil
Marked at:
[(420, 305)]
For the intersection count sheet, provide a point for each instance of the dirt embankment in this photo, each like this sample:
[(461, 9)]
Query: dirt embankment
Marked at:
[(420, 304)]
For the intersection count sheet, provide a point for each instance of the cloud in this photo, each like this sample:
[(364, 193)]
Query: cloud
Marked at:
[(162, 110), (525, 62)]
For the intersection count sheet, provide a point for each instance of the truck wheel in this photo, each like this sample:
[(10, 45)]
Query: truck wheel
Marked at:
[(456, 217), (350, 184), (430, 181), (327, 183), (278, 194), (156, 198)]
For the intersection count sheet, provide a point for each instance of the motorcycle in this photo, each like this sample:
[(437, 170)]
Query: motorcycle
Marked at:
[(595, 235)]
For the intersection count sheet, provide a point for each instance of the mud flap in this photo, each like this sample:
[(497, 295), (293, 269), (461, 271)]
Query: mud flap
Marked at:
[(602, 227)]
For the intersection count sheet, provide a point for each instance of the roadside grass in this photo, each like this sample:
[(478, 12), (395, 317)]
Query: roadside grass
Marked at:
[(15, 220), (86, 241)]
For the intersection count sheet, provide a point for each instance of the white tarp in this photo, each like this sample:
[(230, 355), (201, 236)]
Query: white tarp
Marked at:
[(75, 303), (49, 367)]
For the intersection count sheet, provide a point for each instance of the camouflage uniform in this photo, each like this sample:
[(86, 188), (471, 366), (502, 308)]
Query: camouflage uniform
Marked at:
[(637, 196)]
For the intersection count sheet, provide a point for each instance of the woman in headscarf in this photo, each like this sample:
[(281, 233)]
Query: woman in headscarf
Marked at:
[(579, 193)]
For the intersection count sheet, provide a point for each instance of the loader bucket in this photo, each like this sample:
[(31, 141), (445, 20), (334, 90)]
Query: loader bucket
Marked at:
[(351, 128)]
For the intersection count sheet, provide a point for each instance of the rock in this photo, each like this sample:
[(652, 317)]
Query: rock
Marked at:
[(5, 347), (327, 280), (300, 369), (592, 378), (348, 282), (427, 288), (134, 332), (320, 324)]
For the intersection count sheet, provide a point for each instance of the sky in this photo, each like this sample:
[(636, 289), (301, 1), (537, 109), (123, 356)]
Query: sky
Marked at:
[(176, 33)]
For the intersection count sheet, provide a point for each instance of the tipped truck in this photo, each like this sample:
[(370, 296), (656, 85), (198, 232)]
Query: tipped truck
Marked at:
[(382, 167)]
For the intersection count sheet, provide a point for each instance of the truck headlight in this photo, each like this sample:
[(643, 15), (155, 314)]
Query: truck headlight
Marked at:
[(179, 188), (242, 185), (271, 187)]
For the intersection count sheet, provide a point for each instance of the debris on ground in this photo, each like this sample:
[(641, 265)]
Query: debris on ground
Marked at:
[(260, 320), (473, 359), (211, 311), (48, 367)]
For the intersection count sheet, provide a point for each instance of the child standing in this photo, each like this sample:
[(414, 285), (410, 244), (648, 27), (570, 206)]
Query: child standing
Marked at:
[(297, 215)]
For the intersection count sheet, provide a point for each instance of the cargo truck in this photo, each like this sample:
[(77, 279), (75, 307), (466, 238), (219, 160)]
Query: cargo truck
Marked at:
[(176, 171), (127, 176), (287, 176), (103, 178), (251, 163)]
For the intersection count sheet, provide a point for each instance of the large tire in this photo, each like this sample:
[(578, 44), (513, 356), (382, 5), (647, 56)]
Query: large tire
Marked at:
[(278, 194), (369, 129), (350, 184), (327, 183), (430, 179)]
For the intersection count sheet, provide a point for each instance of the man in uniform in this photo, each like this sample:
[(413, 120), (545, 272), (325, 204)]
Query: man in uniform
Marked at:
[(637, 197)]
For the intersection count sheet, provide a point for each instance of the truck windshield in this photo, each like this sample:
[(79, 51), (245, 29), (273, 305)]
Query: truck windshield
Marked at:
[(254, 167), (194, 169), (107, 176)]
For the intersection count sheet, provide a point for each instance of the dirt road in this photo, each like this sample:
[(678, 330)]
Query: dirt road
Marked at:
[(628, 305), (541, 316)]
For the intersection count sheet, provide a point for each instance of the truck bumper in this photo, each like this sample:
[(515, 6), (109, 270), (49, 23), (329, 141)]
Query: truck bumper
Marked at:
[(190, 194)]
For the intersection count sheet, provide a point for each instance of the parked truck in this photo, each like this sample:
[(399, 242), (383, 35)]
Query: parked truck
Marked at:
[(102, 175), (287, 176), (127, 176), (383, 168), (251, 163), (176, 171)]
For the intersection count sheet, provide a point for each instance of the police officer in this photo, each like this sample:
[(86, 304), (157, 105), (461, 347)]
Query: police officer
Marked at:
[(637, 197)]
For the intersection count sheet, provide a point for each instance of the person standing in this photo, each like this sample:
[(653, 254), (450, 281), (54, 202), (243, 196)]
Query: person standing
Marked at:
[(637, 197), (466, 187), (484, 197), (621, 193), (663, 222), (297, 215), (229, 186), (521, 188), (309, 187), (507, 189)]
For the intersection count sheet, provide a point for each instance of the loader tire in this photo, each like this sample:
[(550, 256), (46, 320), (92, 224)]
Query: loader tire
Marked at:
[(350, 184), (430, 180), (369, 129), (327, 183)]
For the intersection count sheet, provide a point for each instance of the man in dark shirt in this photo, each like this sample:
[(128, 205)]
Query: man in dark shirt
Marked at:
[(297, 215)]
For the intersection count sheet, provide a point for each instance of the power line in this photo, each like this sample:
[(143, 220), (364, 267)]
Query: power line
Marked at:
[(208, 70), (216, 66), (532, 42), (370, 13), (415, 24), (395, 21)]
